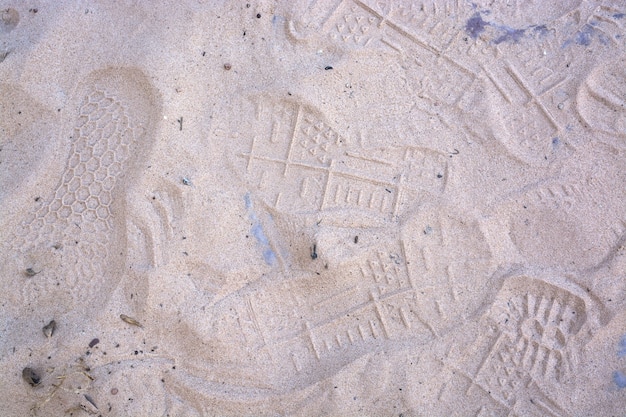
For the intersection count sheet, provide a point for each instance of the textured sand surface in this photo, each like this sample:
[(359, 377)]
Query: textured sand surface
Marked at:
[(313, 208)]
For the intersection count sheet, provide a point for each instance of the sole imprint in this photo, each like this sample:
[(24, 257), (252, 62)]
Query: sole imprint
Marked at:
[(297, 163), (76, 238), (532, 337)]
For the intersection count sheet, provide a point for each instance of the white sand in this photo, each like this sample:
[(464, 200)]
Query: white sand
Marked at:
[(313, 208)]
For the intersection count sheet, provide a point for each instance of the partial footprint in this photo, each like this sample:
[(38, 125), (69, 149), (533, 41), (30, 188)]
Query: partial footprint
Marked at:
[(73, 247), (602, 99), (528, 351), (577, 211)]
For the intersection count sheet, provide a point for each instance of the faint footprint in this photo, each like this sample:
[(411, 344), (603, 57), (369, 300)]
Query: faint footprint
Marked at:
[(9, 18), (76, 240), (573, 222)]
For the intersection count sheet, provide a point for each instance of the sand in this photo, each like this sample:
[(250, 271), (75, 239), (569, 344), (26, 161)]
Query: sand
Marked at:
[(312, 208)]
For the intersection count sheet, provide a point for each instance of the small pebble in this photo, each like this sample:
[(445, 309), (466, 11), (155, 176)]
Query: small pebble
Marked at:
[(48, 329), (130, 320), (94, 342), (91, 401), (30, 272)]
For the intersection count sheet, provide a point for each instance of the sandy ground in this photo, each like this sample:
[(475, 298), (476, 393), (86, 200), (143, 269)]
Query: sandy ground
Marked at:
[(313, 208)]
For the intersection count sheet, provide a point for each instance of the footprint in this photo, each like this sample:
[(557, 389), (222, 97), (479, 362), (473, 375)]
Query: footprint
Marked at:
[(278, 338), (532, 337), (75, 241), (382, 25), (286, 334), (298, 163)]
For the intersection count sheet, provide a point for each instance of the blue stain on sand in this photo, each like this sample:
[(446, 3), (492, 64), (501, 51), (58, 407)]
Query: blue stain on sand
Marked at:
[(621, 352), (618, 376), (584, 36), (476, 26), (257, 231)]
